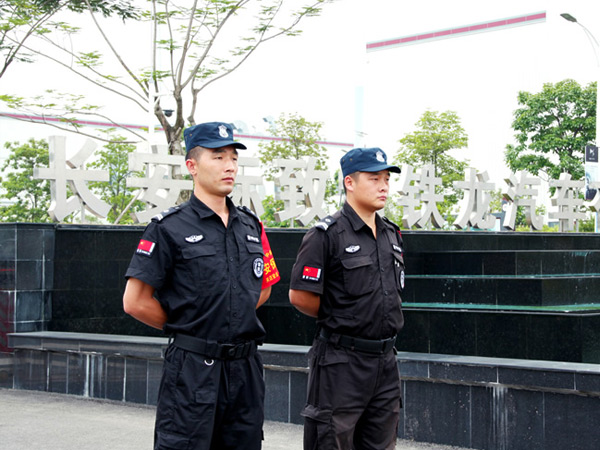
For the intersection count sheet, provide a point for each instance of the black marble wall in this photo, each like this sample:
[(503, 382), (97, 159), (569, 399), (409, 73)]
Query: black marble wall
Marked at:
[(513, 295), (26, 278)]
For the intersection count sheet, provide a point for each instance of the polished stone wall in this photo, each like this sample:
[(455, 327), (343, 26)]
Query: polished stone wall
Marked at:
[(505, 294), (474, 402)]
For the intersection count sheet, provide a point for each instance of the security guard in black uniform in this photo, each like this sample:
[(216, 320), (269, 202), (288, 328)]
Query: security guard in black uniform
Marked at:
[(199, 272), (349, 274)]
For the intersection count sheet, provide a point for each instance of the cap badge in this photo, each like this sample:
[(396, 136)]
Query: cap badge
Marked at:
[(379, 156), (223, 131)]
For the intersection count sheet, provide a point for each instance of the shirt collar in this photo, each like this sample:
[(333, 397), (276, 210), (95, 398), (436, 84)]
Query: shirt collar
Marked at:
[(204, 211), (355, 220)]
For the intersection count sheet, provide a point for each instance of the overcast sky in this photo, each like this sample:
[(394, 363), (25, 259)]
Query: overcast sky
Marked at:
[(319, 73)]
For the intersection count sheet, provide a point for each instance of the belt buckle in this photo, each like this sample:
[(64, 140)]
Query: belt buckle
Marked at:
[(228, 350)]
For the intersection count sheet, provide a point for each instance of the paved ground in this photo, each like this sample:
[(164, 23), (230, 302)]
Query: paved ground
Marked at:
[(39, 420)]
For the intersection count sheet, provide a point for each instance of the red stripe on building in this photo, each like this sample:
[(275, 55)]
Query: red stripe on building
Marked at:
[(528, 19)]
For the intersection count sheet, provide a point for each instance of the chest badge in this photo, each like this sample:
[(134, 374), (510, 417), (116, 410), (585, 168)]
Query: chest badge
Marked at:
[(251, 238), (258, 267), (352, 248), (194, 238)]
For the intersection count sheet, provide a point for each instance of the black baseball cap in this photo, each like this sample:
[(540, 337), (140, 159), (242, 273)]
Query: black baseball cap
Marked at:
[(210, 135), (366, 160)]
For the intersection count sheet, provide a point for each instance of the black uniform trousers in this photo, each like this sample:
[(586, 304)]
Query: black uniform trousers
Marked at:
[(353, 399), (209, 404)]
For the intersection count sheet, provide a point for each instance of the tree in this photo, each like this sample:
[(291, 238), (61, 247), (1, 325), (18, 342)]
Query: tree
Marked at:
[(437, 134), (296, 138), (29, 199), (22, 19), (552, 129), (114, 157), (192, 40)]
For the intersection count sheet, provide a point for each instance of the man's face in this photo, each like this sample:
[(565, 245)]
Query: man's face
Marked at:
[(370, 189), (214, 170)]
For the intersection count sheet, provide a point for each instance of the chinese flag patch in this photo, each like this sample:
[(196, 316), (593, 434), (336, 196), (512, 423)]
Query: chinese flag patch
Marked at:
[(145, 247), (311, 273)]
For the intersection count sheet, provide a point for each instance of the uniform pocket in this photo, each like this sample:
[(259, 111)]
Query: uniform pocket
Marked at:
[(199, 261), (358, 275)]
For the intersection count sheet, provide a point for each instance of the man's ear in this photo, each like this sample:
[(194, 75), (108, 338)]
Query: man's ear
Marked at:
[(349, 183), (191, 165)]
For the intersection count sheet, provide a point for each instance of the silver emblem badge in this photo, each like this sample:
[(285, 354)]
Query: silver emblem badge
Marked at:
[(402, 279), (194, 238), (379, 156), (223, 131), (352, 248), (258, 266)]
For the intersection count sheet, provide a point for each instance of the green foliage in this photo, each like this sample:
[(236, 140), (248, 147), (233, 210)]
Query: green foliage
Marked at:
[(437, 134), (29, 199), (271, 206), (299, 138), (114, 158), (296, 138), (552, 129), (22, 19)]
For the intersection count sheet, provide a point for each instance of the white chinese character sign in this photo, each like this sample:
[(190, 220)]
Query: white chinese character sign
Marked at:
[(302, 189)]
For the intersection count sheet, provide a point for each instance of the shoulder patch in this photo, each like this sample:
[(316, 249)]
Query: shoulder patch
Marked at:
[(325, 223), (166, 213), (388, 221), (248, 211)]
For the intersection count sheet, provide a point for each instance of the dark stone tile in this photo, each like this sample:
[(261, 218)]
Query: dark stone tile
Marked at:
[(519, 291), (587, 382), (8, 242), (502, 336), (463, 372), (529, 263), (29, 327), (285, 325), (571, 422), (136, 382), (57, 374), (499, 263), (77, 372), (30, 244), (115, 373), (298, 386), (414, 336), (97, 376), (30, 306), (479, 291), (514, 419), (30, 275), (277, 396), (8, 275), (155, 369), (30, 370), (590, 336), (440, 415), (413, 369), (453, 333), (536, 378), (554, 338)]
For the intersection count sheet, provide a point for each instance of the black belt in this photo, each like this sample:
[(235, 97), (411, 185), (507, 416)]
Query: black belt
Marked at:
[(354, 343), (214, 350)]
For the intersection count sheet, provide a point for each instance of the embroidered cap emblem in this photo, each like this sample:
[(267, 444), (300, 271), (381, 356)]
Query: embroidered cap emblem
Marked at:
[(258, 266), (379, 156), (194, 238), (223, 131), (352, 248)]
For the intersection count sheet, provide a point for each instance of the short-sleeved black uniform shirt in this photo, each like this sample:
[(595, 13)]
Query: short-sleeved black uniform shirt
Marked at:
[(207, 277), (358, 277)]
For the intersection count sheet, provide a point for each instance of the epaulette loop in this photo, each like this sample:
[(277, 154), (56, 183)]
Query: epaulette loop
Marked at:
[(248, 211), (325, 223), (165, 213), (385, 219)]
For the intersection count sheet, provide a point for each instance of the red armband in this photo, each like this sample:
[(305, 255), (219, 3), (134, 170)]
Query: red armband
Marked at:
[(270, 273)]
